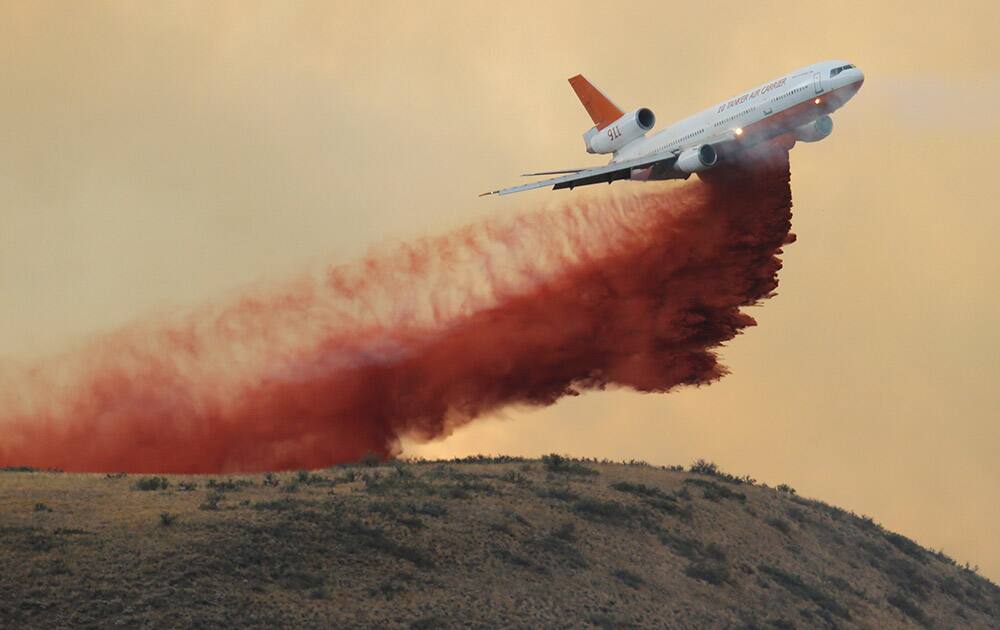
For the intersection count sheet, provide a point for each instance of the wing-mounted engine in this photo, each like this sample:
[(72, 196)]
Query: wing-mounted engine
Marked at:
[(816, 130), (616, 135), (696, 159)]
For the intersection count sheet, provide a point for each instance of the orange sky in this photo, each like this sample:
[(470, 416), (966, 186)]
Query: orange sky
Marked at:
[(161, 154)]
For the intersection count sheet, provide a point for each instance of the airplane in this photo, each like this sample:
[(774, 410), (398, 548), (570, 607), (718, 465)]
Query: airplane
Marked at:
[(798, 103)]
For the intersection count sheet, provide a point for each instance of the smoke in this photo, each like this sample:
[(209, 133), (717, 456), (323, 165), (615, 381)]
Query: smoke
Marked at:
[(635, 289)]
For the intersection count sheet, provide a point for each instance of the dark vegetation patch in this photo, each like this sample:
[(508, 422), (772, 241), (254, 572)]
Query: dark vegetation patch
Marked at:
[(712, 572), (628, 578), (211, 502), (798, 587), (518, 560), (148, 484), (702, 467), (41, 507), (907, 546), (609, 512), (28, 469), (516, 478), (655, 498), (785, 488), (780, 524), (908, 608), (283, 504), (431, 622), (377, 540), (560, 544), (797, 514), (606, 621), (907, 576), (407, 514), (714, 491), (559, 494), (228, 485), (167, 519), (566, 466)]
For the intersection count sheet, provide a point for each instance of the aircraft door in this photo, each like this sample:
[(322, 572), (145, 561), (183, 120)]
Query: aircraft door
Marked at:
[(817, 82)]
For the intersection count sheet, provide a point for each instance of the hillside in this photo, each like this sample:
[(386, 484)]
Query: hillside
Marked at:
[(475, 543)]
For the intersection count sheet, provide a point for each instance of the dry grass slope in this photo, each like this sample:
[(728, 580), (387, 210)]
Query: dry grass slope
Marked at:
[(480, 542)]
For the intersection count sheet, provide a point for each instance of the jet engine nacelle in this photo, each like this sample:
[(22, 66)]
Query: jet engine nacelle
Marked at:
[(629, 127), (696, 159), (816, 130)]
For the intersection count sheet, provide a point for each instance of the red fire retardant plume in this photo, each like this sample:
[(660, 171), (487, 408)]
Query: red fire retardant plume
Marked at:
[(633, 288)]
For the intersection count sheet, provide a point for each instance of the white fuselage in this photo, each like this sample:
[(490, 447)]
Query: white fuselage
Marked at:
[(761, 113)]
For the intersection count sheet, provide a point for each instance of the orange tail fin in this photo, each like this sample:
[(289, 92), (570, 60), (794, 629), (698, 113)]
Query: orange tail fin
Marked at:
[(602, 111)]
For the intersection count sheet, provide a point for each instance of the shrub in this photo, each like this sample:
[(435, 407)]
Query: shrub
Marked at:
[(518, 560), (502, 528), (797, 514), (117, 475), (628, 578), (907, 575), (714, 551), (167, 519), (640, 490), (906, 545), (147, 484), (691, 548), (780, 524), (229, 485), (702, 467), (435, 510), (304, 477), (784, 487), (712, 572), (566, 531), (187, 486), (563, 465), (795, 585), (270, 479), (559, 494), (370, 460), (611, 512), (211, 501), (715, 492), (908, 608), (516, 478), (278, 505), (41, 507), (375, 539)]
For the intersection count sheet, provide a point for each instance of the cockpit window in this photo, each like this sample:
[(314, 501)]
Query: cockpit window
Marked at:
[(837, 71)]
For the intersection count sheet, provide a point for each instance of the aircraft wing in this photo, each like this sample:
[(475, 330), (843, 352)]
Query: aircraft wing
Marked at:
[(598, 175)]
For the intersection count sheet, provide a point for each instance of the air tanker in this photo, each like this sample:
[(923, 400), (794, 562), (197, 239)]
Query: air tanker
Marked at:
[(798, 103)]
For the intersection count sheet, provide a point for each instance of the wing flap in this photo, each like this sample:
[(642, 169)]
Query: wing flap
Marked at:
[(599, 175)]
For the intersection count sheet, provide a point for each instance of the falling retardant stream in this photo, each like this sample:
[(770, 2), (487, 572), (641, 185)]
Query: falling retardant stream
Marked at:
[(636, 287)]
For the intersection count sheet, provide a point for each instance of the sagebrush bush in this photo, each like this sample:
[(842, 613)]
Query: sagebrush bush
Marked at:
[(151, 483), (563, 465)]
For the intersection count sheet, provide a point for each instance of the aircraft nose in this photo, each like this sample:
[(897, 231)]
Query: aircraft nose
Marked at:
[(861, 75)]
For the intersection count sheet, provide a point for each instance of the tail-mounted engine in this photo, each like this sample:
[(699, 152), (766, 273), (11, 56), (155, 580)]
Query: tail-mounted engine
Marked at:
[(816, 130), (616, 135)]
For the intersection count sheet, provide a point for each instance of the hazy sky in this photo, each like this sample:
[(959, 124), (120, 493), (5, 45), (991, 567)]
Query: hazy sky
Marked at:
[(159, 154)]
